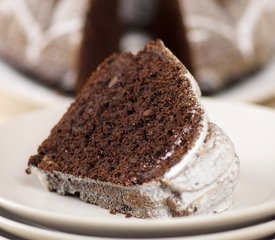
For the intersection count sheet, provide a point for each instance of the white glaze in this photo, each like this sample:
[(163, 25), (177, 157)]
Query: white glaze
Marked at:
[(215, 168), (67, 18), (40, 42), (239, 32), (211, 160), (204, 173), (198, 35), (203, 132), (19, 8), (209, 24), (246, 25)]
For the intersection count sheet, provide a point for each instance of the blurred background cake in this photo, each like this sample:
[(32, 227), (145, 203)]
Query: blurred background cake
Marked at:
[(225, 39), (60, 42), (56, 40)]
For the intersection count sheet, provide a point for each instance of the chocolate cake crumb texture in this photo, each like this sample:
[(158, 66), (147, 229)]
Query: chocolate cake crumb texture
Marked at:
[(125, 121)]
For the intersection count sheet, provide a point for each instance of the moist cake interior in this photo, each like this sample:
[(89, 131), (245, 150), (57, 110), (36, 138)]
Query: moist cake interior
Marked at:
[(125, 121)]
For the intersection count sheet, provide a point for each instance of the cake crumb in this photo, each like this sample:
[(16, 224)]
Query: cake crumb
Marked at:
[(113, 211), (113, 81), (128, 215), (28, 171), (148, 113)]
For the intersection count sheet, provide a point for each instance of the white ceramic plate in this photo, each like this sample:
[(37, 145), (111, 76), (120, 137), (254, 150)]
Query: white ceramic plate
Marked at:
[(252, 129), (26, 231)]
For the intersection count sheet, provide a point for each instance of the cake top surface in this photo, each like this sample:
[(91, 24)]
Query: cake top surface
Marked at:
[(135, 118)]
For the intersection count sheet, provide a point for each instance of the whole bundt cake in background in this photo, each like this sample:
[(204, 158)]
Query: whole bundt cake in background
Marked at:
[(58, 41), (225, 39), (62, 42)]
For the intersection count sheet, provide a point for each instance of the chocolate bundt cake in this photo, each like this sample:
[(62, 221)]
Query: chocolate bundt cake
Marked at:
[(219, 41), (58, 41), (61, 42), (137, 141)]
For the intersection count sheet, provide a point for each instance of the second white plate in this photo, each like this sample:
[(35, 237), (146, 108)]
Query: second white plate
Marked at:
[(252, 129), (33, 233)]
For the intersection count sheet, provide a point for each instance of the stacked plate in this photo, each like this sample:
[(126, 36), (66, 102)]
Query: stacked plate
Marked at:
[(28, 211)]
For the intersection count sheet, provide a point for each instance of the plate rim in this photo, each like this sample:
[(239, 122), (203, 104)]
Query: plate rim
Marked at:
[(23, 229), (267, 208)]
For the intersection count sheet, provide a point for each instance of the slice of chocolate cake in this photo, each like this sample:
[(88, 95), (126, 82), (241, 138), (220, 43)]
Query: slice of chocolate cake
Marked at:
[(137, 141)]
